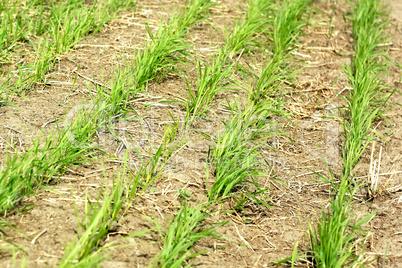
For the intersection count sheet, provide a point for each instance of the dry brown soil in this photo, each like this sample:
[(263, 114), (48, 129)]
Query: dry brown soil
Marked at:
[(256, 237)]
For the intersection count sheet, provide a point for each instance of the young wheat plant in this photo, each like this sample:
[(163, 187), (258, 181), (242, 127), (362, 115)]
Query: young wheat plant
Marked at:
[(235, 158), (186, 228), (167, 47)]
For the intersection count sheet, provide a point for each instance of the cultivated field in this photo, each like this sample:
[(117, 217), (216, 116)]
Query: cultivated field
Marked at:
[(200, 133)]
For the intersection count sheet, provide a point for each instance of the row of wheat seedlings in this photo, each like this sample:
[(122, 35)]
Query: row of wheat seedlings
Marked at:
[(166, 48), (47, 159), (338, 239), (217, 75), (286, 27), (235, 159), (187, 226), (44, 162), (111, 205), (22, 21), (24, 172), (49, 29), (86, 250), (66, 23)]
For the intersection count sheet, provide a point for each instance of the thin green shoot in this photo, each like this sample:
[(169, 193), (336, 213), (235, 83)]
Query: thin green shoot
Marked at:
[(186, 228), (5, 226), (152, 166), (235, 159), (335, 240), (246, 31), (212, 78), (87, 249), (287, 26), (167, 46), (48, 158)]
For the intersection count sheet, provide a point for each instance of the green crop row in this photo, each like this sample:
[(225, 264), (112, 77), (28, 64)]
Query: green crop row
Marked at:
[(49, 29), (338, 239)]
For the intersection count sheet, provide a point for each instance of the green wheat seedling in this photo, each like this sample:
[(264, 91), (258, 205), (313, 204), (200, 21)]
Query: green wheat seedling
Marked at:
[(31, 73), (235, 158), (159, 56), (87, 249), (44, 60), (286, 28), (5, 226), (151, 167), (363, 109), (186, 228), (20, 262), (14, 81), (194, 12), (268, 81), (83, 123), (335, 241), (44, 162), (167, 46), (66, 30), (11, 83), (156, 162), (212, 78), (69, 22), (117, 98), (245, 32), (13, 24), (47, 159), (53, 28), (216, 75), (93, 228)]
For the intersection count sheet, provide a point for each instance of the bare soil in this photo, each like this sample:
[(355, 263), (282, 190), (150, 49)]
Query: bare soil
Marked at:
[(256, 237)]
